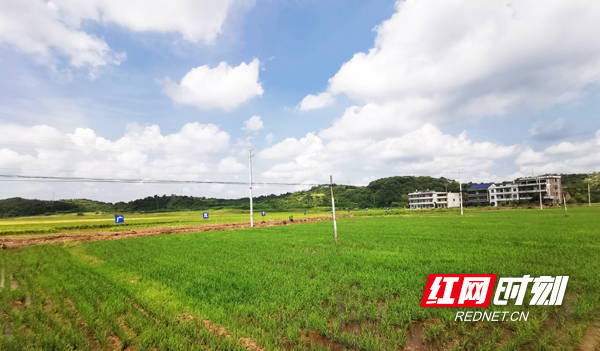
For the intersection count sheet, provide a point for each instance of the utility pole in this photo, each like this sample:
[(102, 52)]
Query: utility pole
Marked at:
[(460, 194), (250, 168), (333, 210), (589, 195), (540, 190)]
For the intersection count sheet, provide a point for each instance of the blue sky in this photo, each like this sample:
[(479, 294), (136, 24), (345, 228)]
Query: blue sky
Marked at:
[(488, 91), (287, 37)]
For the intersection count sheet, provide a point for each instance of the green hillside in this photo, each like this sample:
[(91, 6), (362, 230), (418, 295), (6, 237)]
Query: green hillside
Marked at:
[(391, 191)]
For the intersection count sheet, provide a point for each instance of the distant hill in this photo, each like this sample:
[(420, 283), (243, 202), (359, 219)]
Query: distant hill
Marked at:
[(391, 191), (17, 206)]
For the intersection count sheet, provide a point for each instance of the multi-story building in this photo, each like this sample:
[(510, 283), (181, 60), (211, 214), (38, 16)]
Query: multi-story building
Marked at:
[(432, 199), (502, 194), (479, 194), (525, 189), (531, 187)]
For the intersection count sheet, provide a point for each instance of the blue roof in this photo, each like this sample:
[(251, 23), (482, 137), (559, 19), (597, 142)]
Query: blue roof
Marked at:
[(480, 186)]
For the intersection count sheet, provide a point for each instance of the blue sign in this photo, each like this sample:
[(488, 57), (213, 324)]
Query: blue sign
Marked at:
[(263, 213), (119, 219), (205, 215)]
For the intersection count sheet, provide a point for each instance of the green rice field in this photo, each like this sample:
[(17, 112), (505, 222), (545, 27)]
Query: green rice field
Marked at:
[(292, 288)]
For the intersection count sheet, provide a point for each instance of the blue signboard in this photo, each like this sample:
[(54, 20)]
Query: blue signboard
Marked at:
[(205, 215), (119, 219), (263, 213)]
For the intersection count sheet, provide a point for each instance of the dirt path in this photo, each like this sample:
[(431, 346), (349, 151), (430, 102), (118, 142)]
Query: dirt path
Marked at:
[(11, 242)]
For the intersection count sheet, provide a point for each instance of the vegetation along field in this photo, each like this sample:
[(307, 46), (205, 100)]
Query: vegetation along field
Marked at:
[(291, 288)]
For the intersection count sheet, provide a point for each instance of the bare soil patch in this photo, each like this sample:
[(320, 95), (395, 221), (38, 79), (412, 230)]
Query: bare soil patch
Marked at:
[(11, 242), (591, 338)]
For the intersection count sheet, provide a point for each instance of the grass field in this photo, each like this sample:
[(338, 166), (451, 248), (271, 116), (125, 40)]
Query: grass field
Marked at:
[(103, 221), (291, 288)]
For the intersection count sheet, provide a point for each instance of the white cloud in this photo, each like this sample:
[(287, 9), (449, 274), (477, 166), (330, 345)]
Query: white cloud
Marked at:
[(54, 29), (36, 27), (197, 151), (195, 21), (313, 102), (253, 124), (563, 157), (230, 165), (223, 86), (424, 151), (435, 63), (492, 59)]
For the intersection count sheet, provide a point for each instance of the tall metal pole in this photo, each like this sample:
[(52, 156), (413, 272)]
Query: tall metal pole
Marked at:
[(251, 208), (540, 190), (333, 209)]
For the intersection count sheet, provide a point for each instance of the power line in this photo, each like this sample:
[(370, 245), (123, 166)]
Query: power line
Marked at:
[(50, 179)]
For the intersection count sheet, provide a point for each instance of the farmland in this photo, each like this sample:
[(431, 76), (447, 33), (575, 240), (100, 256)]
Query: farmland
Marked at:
[(290, 287), (91, 221)]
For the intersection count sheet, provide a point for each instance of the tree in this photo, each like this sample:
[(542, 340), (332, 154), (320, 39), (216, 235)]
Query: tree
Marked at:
[(594, 180)]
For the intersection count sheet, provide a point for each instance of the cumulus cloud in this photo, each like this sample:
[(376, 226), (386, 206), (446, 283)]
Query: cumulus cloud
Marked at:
[(230, 165), (36, 27), (426, 150), (493, 59), (197, 151), (223, 86), (434, 64), (51, 29), (253, 124), (195, 21), (563, 157), (313, 102)]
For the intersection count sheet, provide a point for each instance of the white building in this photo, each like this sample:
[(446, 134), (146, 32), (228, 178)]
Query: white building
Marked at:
[(526, 189), (432, 199), (502, 194)]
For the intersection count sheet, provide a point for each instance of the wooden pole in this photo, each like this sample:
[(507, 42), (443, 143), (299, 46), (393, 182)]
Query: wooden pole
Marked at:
[(333, 210)]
